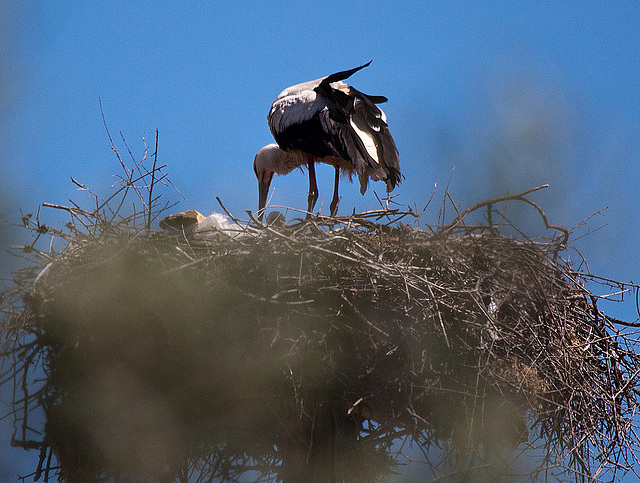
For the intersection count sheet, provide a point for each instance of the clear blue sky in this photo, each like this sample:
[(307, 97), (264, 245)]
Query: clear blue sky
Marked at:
[(512, 93)]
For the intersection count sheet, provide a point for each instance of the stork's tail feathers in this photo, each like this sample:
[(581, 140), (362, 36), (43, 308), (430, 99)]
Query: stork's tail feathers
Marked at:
[(375, 99), (393, 179)]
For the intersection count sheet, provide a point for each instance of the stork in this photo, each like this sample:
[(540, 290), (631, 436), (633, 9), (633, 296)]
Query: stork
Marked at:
[(327, 121)]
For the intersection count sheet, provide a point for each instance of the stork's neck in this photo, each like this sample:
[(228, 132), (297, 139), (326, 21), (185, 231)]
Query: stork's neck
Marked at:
[(287, 161)]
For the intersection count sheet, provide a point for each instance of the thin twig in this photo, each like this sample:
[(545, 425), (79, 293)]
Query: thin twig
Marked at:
[(153, 178)]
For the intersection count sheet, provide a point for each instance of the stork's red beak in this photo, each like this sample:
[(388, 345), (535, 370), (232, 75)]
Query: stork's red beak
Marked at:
[(264, 181)]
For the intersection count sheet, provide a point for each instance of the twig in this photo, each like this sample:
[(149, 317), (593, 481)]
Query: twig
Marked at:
[(153, 177)]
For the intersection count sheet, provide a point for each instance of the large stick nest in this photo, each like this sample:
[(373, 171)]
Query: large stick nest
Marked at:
[(171, 356)]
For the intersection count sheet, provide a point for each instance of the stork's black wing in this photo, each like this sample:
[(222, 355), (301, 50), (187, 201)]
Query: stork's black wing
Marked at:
[(358, 132), (342, 75)]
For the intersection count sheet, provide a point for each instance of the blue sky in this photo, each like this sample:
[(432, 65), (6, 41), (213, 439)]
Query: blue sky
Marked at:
[(512, 94)]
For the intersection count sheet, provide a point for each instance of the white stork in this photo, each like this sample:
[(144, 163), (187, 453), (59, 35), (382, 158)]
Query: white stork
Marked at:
[(327, 121)]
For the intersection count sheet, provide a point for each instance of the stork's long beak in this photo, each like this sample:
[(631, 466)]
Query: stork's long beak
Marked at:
[(264, 181)]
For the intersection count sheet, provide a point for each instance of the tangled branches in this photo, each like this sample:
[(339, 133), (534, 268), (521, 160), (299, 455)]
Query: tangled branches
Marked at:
[(324, 347)]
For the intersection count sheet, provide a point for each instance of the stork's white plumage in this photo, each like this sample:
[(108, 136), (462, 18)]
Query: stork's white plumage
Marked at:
[(327, 121)]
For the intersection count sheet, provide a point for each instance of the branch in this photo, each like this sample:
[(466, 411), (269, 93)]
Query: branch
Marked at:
[(519, 197), (153, 179)]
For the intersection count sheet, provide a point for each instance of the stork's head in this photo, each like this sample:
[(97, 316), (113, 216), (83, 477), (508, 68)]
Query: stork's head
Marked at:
[(272, 159), (265, 165)]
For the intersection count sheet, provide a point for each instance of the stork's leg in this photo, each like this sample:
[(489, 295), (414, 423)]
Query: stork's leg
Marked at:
[(334, 203), (313, 186)]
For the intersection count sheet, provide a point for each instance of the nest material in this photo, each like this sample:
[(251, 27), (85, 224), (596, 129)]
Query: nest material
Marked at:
[(309, 348)]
